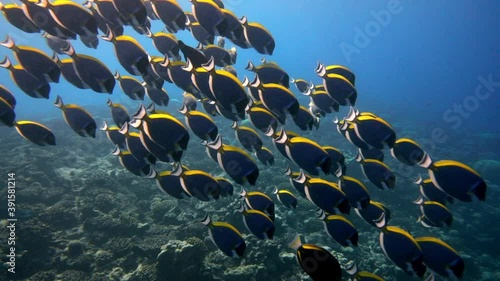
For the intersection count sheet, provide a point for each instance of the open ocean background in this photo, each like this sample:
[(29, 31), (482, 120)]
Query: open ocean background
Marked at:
[(414, 69)]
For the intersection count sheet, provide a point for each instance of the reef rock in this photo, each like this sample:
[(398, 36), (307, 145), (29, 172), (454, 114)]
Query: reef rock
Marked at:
[(180, 260)]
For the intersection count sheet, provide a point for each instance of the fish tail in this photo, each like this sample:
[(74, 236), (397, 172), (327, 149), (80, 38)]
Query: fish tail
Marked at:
[(381, 222), (152, 174), (250, 66), (419, 201), (420, 219), (426, 162), (480, 191), (88, 3), (59, 102), (6, 63), (43, 3), (109, 34), (295, 243), (288, 171), (206, 220), (351, 268), (116, 151), (418, 180), (104, 126), (9, 43), (69, 50)]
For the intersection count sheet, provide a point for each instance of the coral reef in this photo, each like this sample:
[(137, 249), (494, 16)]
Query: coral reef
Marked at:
[(83, 217)]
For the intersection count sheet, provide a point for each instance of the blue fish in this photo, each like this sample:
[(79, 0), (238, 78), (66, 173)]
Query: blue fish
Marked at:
[(456, 179), (378, 173), (431, 192), (340, 229), (434, 212), (257, 222), (226, 237), (235, 162), (324, 194), (293, 177), (373, 211), (441, 257), (286, 198), (408, 152), (327, 267), (138, 167), (355, 190), (401, 248), (169, 183), (35, 133), (257, 200)]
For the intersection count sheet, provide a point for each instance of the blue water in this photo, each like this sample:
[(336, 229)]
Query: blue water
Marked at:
[(427, 57), (424, 66)]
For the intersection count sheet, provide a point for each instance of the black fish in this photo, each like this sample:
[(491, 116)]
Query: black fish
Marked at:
[(317, 262), (196, 57)]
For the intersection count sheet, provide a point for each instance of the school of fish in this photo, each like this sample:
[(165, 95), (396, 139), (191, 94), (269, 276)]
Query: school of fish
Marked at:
[(206, 75)]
